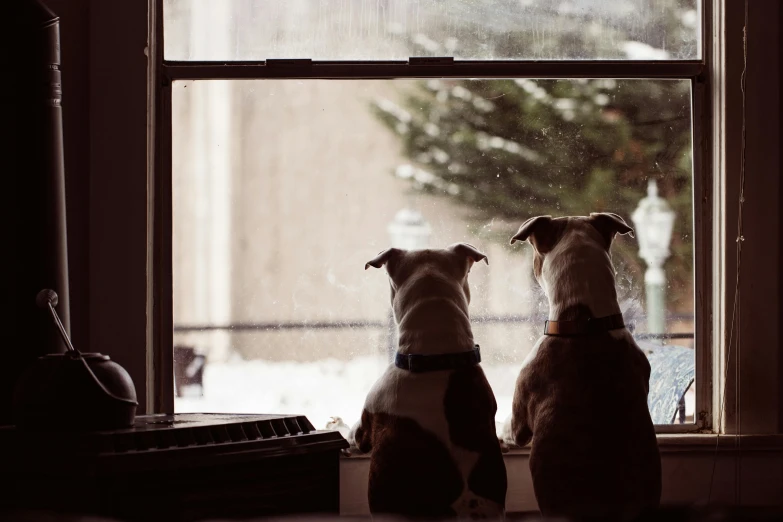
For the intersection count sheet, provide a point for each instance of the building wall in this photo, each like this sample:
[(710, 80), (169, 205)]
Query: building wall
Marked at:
[(283, 189)]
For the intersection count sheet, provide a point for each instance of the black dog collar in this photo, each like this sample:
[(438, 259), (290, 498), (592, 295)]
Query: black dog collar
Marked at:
[(584, 327), (418, 363)]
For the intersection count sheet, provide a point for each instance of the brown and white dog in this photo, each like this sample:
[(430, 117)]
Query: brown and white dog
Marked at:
[(429, 421), (581, 396)]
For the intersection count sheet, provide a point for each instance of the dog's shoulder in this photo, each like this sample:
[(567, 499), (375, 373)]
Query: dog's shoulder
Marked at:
[(554, 357), (403, 392), (639, 357), (400, 399), (386, 384), (537, 363), (623, 343), (470, 406), (470, 385), (619, 345)]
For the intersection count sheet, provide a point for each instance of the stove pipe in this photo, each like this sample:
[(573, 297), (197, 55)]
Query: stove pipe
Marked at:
[(32, 187)]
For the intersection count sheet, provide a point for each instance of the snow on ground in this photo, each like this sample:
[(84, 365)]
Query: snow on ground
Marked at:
[(642, 51), (319, 389)]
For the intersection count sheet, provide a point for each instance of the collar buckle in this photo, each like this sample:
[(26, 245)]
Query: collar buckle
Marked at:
[(589, 325)]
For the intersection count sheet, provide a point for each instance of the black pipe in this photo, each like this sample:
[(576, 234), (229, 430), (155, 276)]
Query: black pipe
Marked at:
[(33, 252)]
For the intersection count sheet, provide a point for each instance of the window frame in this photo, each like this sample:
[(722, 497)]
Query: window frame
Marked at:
[(710, 291)]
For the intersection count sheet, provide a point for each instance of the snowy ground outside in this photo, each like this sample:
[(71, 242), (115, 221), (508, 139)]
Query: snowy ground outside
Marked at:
[(319, 389)]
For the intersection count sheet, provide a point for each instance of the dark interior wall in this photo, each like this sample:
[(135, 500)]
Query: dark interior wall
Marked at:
[(118, 185), (779, 242), (758, 312)]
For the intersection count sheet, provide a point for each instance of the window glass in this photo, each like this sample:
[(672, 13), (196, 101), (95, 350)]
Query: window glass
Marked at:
[(283, 189), (464, 29)]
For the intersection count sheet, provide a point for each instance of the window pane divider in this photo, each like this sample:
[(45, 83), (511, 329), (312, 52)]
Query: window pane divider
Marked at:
[(305, 68)]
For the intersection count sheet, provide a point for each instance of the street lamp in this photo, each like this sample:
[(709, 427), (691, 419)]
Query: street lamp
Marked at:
[(654, 221), (410, 231)]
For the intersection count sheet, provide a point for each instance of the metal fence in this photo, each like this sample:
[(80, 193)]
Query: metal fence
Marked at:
[(389, 324), (391, 331), (666, 398)]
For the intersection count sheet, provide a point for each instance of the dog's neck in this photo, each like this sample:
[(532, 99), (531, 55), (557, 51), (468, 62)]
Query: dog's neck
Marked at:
[(435, 326), (582, 279)]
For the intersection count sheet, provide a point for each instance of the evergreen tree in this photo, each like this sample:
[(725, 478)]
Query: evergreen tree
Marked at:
[(512, 149)]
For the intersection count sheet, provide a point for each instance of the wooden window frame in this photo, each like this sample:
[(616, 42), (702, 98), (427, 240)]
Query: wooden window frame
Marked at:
[(716, 162)]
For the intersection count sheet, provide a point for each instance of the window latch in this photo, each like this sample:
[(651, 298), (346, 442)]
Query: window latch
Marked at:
[(431, 60), (288, 62)]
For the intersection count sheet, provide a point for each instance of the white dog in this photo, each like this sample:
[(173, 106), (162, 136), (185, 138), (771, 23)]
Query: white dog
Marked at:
[(429, 421), (581, 396)]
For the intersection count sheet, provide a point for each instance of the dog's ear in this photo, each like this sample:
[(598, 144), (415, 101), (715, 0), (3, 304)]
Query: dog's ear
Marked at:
[(470, 252), (383, 257), (542, 232), (609, 224)]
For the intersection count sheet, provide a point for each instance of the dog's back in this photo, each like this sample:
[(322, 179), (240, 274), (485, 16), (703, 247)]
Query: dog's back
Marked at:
[(582, 393), (594, 451), (433, 442), (431, 425)]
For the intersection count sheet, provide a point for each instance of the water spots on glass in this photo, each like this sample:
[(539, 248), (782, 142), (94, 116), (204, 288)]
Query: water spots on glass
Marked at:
[(272, 241), (465, 29)]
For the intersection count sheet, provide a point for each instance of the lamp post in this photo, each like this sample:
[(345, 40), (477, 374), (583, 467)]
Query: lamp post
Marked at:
[(654, 222), (410, 231)]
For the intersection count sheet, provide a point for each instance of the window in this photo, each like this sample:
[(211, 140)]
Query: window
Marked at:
[(298, 152)]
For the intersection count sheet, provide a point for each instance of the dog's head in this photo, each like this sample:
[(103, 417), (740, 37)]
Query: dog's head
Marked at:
[(415, 275), (563, 243)]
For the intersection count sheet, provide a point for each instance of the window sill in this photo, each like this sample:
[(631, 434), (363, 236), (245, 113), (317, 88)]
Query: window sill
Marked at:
[(683, 442), (746, 470), (702, 442)]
